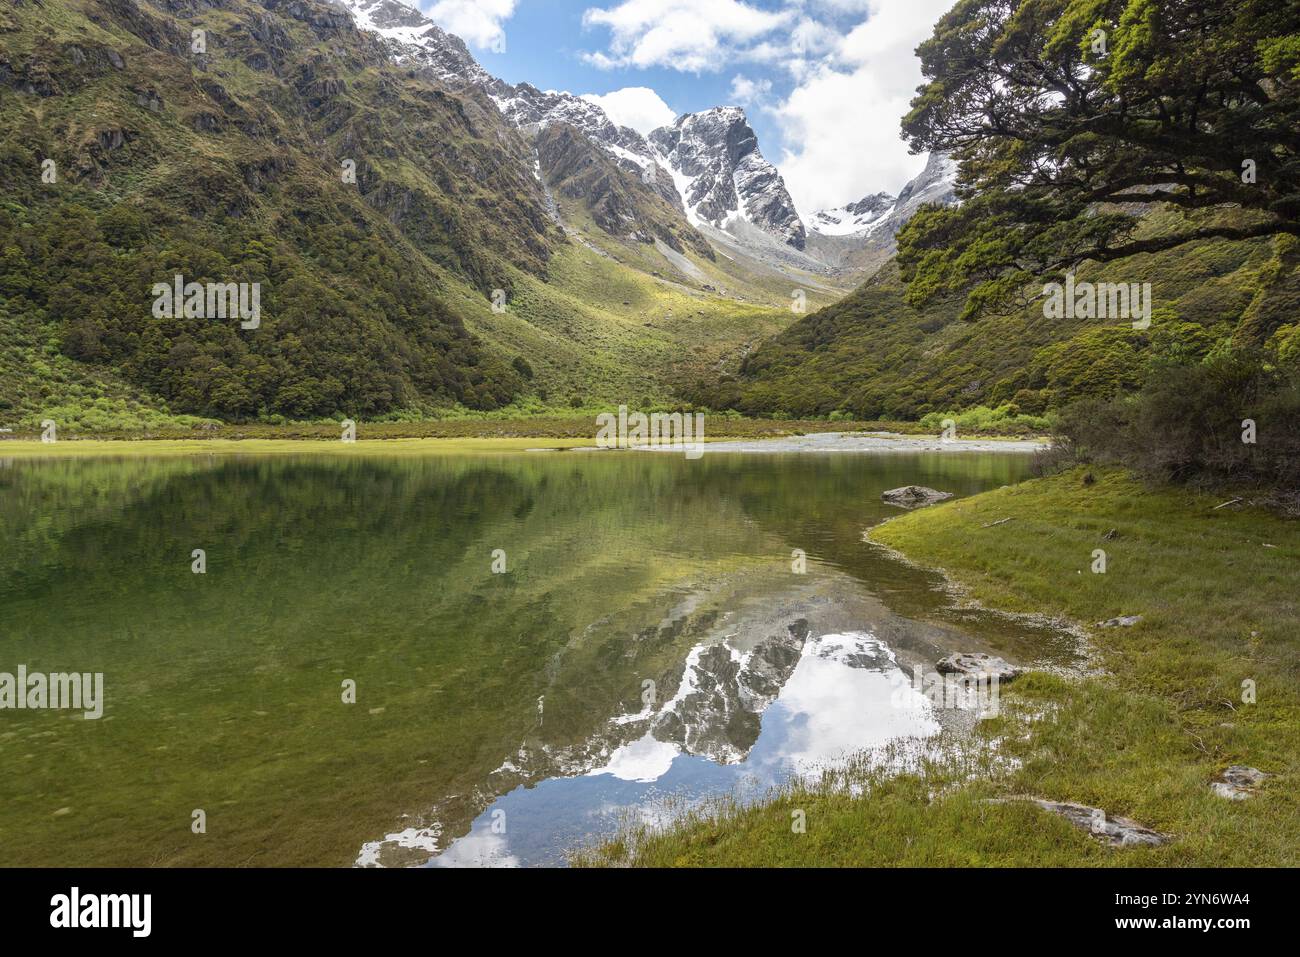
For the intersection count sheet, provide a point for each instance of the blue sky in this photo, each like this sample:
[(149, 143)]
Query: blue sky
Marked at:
[(824, 82), (545, 43)]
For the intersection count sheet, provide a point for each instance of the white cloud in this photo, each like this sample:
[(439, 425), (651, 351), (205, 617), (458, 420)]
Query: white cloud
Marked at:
[(841, 121), (747, 92), (852, 64), (477, 22), (636, 106), (690, 35)]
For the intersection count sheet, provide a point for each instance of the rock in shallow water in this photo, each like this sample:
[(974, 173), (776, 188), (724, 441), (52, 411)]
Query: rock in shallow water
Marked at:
[(977, 664), (914, 496)]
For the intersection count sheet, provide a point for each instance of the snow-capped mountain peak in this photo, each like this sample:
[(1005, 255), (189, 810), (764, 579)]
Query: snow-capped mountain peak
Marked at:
[(722, 175), (935, 184), (413, 36), (707, 163), (860, 217), (525, 105), (881, 215)]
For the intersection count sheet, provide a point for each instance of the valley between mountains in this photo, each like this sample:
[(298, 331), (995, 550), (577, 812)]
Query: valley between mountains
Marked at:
[(429, 240)]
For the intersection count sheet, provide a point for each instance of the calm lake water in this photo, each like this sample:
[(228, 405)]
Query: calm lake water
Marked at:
[(648, 644)]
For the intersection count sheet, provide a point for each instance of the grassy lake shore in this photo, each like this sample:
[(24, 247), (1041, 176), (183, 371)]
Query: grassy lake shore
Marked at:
[(1141, 737), (579, 425), (472, 437)]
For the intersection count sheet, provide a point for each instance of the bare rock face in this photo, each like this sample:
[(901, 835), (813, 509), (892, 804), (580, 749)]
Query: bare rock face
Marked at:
[(1115, 831), (574, 165), (914, 496), (880, 216), (865, 231), (724, 176), (935, 185), (853, 218), (977, 665), (1238, 783)]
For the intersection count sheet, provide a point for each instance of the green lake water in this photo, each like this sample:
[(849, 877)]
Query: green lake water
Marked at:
[(649, 639)]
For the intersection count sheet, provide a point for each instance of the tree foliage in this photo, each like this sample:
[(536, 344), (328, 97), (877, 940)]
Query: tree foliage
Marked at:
[(365, 339), (1072, 118), (1227, 420), (875, 357)]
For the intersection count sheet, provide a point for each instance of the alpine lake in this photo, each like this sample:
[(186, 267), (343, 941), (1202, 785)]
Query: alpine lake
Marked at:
[(454, 659)]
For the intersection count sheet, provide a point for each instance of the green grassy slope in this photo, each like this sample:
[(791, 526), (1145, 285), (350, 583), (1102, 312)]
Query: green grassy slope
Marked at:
[(608, 330), (637, 304)]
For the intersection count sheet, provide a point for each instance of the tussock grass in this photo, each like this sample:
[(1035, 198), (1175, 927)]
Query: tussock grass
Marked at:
[(1142, 740)]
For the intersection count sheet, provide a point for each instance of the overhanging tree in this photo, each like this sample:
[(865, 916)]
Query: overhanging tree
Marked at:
[(1072, 118)]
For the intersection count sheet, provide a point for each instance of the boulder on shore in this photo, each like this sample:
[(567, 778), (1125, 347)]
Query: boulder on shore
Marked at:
[(1123, 621), (1115, 831), (1239, 782), (977, 664), (914, 496)]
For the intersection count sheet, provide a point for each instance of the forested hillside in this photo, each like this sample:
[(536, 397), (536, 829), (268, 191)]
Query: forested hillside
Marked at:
[(128, 157), (874, 356)]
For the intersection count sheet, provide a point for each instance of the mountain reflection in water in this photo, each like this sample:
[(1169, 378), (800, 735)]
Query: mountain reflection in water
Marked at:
[(769, 696)]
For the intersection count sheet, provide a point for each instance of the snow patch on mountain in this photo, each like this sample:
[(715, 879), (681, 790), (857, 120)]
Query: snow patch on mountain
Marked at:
[(722, 175), (525, 105), (881, 215), (414, 38), (707, 164), (864, 216), (936, 184)]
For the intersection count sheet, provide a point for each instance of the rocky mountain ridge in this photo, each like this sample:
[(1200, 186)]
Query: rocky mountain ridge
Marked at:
[(861, 236), (863, 216), (707, 164), (721, 174), (880, 213)]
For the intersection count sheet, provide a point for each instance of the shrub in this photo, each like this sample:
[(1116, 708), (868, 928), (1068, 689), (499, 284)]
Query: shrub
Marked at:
[(1190, 424), (1004, 420)]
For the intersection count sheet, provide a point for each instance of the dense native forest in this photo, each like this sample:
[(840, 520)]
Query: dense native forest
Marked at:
[(230, 166)]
